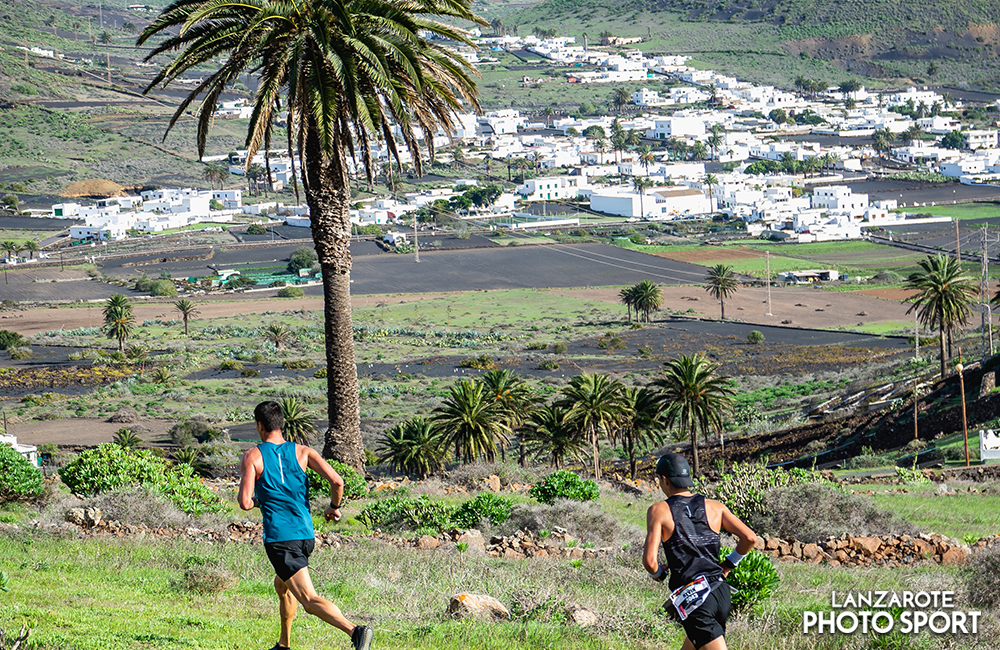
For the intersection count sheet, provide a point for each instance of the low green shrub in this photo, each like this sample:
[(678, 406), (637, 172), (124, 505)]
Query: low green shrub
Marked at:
[(298, 364), (10, 339), (482, 362), (981, 576), (320, 374), (249, 372), (19, 354), (754, 580), (559, 348), (538, 346), (563, 484), (291, 292), (407, 513), (19, 479), (163, 288), (743, 489), (355, 486), (548, 364), (110, 467), (756, 337), (486, 506), (230, 364)]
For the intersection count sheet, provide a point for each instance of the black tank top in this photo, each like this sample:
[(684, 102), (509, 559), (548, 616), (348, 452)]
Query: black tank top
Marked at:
[(693, 548)]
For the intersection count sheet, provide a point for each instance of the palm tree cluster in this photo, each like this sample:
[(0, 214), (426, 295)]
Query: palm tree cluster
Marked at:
[(643, 298), (480, 417), (810, 86)]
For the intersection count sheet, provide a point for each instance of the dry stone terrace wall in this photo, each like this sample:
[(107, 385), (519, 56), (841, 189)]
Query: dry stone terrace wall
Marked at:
[(845, 551)]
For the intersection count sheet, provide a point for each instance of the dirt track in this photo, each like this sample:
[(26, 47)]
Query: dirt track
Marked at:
[(804, 307)]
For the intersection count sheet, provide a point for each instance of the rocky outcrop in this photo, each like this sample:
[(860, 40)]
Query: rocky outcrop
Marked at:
[(867, 550)]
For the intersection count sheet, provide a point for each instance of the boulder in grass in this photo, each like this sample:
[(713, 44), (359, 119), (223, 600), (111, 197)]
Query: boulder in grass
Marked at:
[(466, 605)]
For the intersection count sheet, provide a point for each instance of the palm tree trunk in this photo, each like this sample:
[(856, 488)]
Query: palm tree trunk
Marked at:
[(723, 303), (631, 455), (328, 195), (596, 453), (694, 452), (522, 453), (944, 359)]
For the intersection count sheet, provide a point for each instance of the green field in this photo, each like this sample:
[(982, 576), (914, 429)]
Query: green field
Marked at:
[(963, 211)]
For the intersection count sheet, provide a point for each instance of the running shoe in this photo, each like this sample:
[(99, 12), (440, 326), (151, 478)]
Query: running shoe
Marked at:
[(362, 637)]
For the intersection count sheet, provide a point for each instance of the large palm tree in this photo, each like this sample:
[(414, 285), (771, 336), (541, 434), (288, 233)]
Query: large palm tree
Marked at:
[(695, 398), (188, 310), (553, 434), (513, 398), (471, 422), (710, 181), (413, 447), (8, 247), (594, 403), (119, 321), (641, 421), (944, 296), (349, 73), (721, 283), (32, 247)]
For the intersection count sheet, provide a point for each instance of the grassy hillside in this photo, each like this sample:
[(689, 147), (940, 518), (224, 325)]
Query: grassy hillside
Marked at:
[(882, 40)]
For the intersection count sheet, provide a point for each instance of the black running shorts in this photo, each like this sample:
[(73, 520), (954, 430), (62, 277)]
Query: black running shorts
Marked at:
[(708, 622), (288, 558)]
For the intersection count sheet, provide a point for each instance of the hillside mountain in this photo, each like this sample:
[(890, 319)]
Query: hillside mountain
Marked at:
[(929, 41)]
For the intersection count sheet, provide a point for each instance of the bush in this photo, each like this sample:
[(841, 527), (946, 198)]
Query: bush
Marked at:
[(868, 459), (298, 364), (743, 490), (143, 284), (19, 479), (240, 281), (277, 284), (138, 506), (163, 288), (831, 512), (562, 484), (230, 365), (301, 258), (585, 521), (548, 364), (753, 581), (487, 506), (482, 362), (207, 580), (19, 354), (320, 374), (246, 373), (982, 577), (355, 486), (256, 229), (407, 513), (559, 348), (291, 292), (184, 434), (756, 337), (10, 339)]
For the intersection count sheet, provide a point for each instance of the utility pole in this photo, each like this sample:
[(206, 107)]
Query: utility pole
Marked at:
[(767, 273), (916, 398), (958, 246), (916, 335), (416, 244), (984, 295), (965, 423)]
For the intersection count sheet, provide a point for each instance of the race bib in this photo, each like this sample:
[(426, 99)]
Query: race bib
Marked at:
[(691, 596)]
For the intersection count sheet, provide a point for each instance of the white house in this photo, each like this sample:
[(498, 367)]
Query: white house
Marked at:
[(677, 126), (28, 451), (840, 198), (981, 139), (551, 188), (230, 199), (661, 203)]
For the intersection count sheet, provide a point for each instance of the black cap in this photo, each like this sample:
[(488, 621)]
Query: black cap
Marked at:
[(675, 467)]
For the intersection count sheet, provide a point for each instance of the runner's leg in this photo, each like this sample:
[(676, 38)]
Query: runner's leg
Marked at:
[(302, 588), (286, 606), (715, 644)]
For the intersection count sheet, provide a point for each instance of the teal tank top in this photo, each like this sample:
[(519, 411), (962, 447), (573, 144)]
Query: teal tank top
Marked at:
[(282, 491)]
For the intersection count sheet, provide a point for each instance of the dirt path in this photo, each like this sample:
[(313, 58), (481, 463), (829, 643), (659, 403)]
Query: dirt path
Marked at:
[(803, 306)]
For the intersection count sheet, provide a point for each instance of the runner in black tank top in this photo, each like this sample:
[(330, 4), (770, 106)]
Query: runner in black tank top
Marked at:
[(687, 527)]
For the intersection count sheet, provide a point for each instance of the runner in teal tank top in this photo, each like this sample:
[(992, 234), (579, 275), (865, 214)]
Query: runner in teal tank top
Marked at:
[(282, 492), (273, 477)]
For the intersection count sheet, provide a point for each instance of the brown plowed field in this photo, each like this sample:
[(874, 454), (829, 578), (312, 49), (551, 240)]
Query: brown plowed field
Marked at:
[(887, 294)]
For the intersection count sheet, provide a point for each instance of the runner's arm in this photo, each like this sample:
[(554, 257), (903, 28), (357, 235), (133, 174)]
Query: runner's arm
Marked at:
[(316, 463), (248, 477), (732, 524), (651, 549)]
